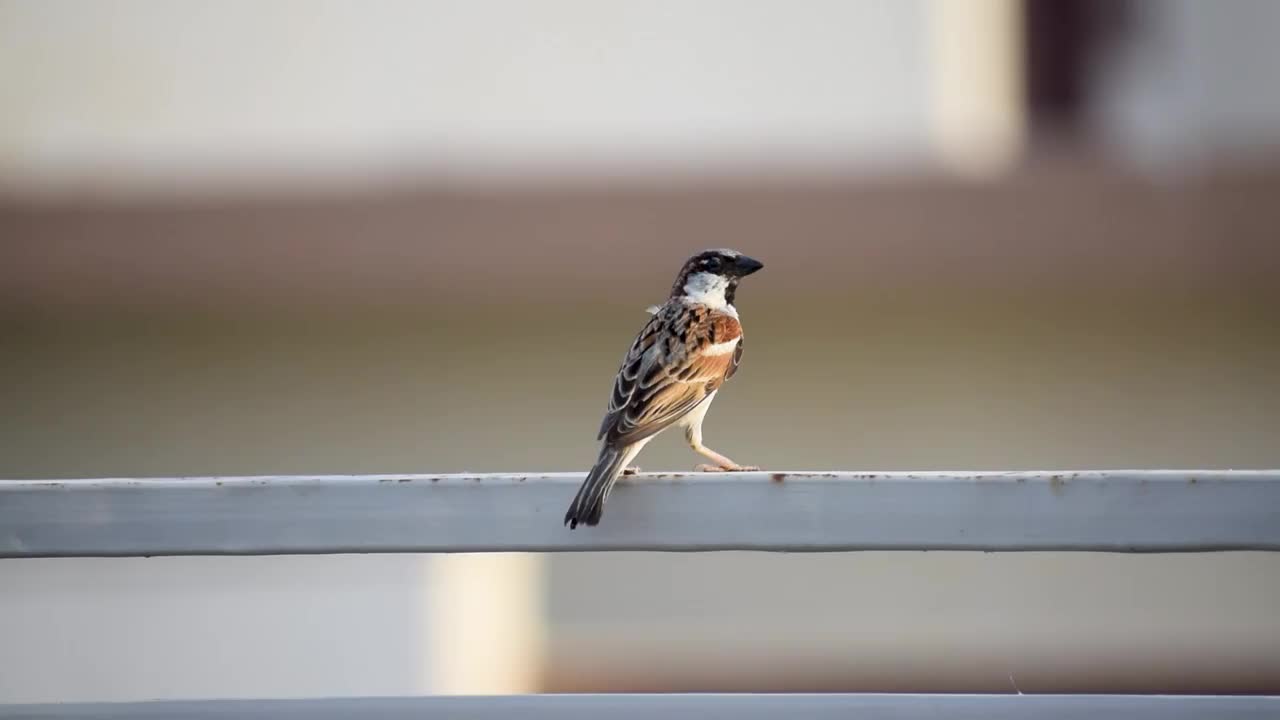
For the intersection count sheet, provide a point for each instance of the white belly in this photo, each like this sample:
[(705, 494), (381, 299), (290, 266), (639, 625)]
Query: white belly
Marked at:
[(694, 417)]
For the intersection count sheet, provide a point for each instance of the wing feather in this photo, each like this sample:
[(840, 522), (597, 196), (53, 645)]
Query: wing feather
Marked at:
[(664, 375), (624, 385)]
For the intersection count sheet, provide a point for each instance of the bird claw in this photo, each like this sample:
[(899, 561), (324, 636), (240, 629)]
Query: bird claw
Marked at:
[(726, 468), (631, 470)]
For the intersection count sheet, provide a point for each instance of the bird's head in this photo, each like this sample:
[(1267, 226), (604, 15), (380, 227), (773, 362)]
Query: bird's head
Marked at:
[(711, 277)]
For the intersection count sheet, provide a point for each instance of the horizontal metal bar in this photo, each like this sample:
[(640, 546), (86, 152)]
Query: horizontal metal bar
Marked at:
[(674, 707), (1119, 511)]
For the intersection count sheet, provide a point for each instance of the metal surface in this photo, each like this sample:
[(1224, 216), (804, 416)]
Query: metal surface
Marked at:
[(1121, 511), (674, 707)]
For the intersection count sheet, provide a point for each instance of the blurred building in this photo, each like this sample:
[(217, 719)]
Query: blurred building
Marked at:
[(331, 237)]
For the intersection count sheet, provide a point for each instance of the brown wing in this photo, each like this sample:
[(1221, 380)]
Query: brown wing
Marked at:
[(628, 377), (665, 374)]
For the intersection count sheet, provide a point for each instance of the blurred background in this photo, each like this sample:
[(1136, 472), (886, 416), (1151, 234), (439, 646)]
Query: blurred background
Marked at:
[(343, 237)]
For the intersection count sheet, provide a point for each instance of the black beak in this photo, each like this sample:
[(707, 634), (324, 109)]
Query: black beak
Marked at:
[(744, 265)]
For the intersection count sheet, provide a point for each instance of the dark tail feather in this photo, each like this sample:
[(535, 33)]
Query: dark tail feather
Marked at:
[(588, 505)]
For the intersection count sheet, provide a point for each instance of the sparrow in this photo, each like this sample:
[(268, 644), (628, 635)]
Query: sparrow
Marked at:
[(672, 372)]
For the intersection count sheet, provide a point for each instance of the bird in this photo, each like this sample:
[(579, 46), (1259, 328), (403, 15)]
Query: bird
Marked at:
[(690, 346)]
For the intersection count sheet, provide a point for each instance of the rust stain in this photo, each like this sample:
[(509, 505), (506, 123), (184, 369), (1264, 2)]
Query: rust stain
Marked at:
[(1057, 484), (778, 477)]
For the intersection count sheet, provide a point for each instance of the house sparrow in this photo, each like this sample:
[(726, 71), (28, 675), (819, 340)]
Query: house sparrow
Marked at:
[(690, 346)]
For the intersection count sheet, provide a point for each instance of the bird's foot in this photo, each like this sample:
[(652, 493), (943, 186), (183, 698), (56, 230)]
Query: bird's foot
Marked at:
[(631, 470), (726, 468)]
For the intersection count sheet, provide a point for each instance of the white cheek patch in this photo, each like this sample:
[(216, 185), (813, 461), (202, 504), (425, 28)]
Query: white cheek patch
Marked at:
[(707, 289), (723, 348)]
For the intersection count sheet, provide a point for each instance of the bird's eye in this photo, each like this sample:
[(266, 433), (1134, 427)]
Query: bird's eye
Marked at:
[(714, 264)]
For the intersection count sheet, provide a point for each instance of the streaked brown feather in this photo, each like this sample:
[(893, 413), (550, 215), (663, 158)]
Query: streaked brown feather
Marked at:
[(665, 374)]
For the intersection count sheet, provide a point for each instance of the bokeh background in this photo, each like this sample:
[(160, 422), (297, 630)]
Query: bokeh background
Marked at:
[(343, 237)]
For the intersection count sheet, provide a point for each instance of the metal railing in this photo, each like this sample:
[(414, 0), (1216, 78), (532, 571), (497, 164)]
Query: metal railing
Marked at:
[(1111, 511), (685, 707)]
